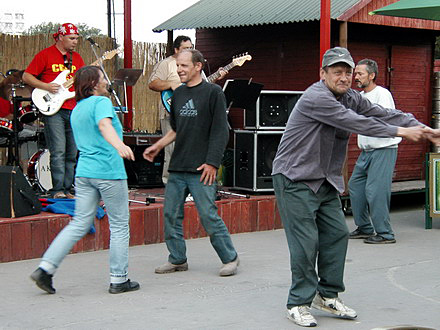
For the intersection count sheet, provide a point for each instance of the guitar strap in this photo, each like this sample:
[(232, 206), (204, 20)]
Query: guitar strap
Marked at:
[(68, 61)]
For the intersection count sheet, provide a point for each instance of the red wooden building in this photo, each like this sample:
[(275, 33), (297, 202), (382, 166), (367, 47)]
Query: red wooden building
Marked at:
[(283, 38)]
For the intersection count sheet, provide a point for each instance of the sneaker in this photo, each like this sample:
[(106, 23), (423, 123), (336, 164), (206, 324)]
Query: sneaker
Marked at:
[(171, 268), (230, 268), (377, 239), (301, 316), (359, 234), (124, 287), (334, 306), (59, 194), (43, 280)]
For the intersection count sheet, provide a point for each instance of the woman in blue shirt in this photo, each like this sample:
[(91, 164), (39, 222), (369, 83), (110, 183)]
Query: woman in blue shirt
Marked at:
[(100, 172)]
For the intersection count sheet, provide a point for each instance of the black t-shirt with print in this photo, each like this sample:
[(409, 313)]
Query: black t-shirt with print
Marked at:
[(198, 116)]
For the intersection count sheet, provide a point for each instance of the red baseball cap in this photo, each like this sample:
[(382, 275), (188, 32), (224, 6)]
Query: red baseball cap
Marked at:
[(66, 29)]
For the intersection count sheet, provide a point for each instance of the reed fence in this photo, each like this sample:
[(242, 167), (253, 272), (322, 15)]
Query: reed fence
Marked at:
[(16, 52)]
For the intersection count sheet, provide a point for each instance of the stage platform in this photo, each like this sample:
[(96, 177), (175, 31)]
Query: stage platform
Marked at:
[(28, 237)]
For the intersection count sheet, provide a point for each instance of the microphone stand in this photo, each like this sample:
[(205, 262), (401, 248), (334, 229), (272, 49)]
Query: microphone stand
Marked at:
[(92, 44)]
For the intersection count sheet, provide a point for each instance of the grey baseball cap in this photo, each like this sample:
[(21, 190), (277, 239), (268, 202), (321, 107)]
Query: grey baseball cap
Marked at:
[(337, 55)]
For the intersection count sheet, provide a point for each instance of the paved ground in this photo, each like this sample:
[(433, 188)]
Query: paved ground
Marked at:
[(388, 285)]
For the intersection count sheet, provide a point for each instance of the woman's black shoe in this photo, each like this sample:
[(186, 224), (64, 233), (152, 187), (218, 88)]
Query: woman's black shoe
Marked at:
[(43, 280), (124, 287)]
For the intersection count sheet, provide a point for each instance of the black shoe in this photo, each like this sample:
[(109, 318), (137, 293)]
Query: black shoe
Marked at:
[(359, 234), (379, 240), (43, 280), (124, 287)]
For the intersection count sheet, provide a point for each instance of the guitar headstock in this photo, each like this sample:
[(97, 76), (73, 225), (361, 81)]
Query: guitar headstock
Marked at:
[(240, 59), (110, 54)]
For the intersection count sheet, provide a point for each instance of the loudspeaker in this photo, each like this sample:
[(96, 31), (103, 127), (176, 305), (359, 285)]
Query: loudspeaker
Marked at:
[(253, 157), (17, 199), (141, 173), (271, 110)]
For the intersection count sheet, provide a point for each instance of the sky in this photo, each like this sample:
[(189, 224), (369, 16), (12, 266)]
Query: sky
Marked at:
[(146, 14)]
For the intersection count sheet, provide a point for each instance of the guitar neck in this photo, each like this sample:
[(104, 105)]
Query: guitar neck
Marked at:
[(69, 82), (216, 74)]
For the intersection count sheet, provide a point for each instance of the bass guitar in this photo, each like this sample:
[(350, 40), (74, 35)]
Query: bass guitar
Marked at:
[(236, 61), (48, 103)]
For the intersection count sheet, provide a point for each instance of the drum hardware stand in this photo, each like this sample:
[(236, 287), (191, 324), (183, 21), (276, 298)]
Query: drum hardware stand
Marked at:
[(148, 201), (93, 44), (13, 158), (227, 193)]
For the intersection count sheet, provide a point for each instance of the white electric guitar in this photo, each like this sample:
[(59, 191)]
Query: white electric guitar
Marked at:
[(49, 103)]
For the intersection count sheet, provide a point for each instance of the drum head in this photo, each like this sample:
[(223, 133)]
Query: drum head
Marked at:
[(39, 169)]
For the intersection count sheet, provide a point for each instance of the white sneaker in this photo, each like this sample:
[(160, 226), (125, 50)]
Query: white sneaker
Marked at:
[(301, 316), (334, 306), (230, 268)]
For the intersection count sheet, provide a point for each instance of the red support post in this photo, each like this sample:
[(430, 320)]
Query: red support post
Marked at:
[(324, 28), (128, 63)]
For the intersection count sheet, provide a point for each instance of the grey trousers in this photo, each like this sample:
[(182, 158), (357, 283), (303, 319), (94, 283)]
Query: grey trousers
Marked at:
[(317, 236), (370, 191)]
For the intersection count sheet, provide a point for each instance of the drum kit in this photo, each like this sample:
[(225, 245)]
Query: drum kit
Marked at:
[(24, 127)]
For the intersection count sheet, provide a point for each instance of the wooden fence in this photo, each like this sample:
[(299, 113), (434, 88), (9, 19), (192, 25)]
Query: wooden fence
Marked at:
[(16, 52)]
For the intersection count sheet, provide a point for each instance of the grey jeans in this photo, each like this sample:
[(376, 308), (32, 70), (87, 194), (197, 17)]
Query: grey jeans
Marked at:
[(317, 236)]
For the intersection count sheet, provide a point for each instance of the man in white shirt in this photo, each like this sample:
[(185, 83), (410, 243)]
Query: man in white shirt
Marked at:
[(370, 183)]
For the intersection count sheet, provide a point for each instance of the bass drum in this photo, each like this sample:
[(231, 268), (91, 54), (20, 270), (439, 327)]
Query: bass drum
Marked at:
[(38, 170)]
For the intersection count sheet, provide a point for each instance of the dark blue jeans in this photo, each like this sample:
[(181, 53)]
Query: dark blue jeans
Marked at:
[(179, 185), (62, 148)]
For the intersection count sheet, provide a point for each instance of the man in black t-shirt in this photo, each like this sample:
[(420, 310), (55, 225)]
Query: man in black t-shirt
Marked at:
[(200, 131)]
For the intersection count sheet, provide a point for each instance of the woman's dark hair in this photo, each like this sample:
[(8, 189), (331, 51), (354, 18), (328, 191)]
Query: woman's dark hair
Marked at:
[(85, 81)]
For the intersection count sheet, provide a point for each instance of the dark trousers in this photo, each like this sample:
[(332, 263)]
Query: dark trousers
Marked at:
[(317, 236)]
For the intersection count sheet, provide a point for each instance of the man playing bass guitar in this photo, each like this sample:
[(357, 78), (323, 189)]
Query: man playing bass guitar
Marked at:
[(40, 73)]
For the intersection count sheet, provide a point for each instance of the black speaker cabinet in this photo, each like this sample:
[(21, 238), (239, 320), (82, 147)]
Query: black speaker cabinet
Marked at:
[(271, 110), (253, 156), (141, 173), (17, 199)]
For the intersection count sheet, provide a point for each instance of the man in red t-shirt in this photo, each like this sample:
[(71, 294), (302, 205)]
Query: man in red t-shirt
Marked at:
[(40, 73)]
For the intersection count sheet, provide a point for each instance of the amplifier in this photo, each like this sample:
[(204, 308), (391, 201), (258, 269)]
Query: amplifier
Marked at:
[(140, 139), (271, 110), (142, 173), (253, 157)]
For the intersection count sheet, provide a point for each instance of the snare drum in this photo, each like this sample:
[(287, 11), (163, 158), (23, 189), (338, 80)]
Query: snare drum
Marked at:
[(5, 125), (39, 169), (27, 114)]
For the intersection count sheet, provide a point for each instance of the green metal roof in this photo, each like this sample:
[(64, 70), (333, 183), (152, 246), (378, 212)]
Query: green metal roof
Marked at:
[(232, 13)]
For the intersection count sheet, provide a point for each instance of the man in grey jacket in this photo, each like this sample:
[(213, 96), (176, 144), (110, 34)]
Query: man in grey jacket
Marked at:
[(307, 177)]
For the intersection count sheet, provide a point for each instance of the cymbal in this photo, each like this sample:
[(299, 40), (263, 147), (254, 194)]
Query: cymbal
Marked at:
[(23, 91), (14, 79)]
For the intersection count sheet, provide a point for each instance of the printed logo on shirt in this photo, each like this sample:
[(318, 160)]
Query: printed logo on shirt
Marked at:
[(62, 67), (188, 110)]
